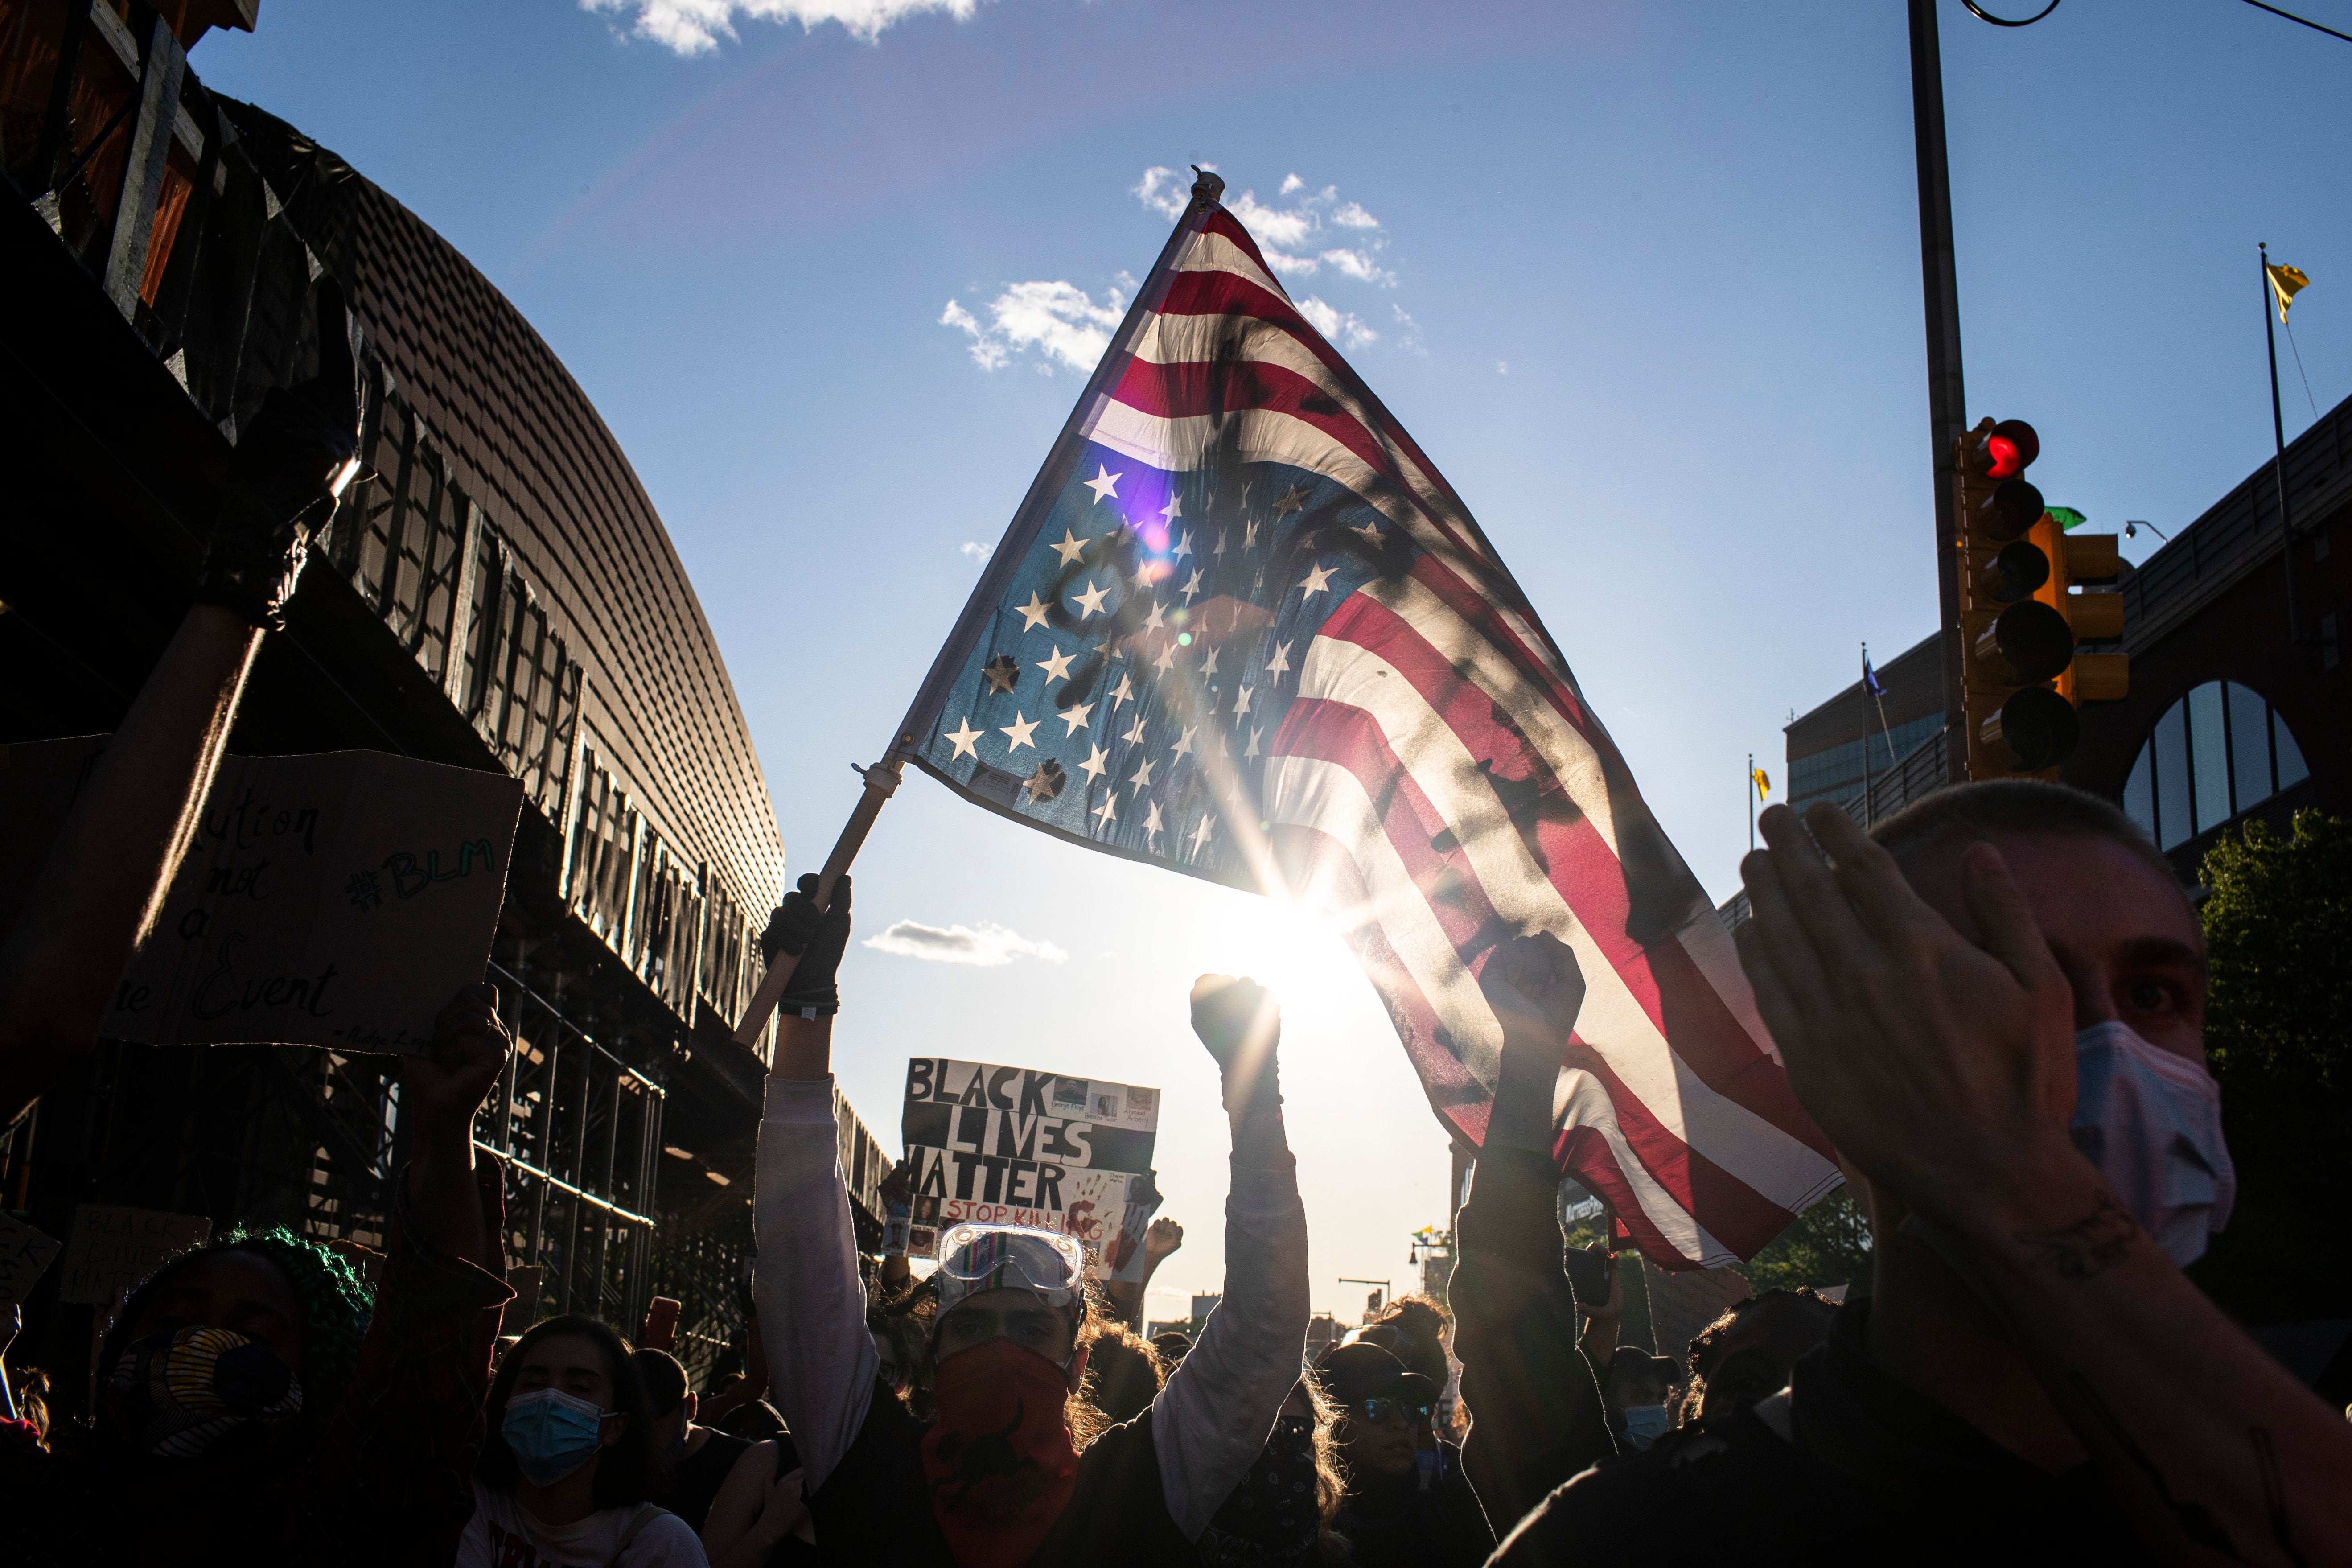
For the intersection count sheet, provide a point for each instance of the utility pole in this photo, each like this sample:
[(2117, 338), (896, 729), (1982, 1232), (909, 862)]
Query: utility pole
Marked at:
[(1946, 399)]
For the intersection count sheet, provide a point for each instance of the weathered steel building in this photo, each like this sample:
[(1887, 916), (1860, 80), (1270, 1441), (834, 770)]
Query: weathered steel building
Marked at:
[(498, 592)]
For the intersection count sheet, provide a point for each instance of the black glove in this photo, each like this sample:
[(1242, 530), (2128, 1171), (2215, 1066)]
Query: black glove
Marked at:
[(292, 459), (817, 939)]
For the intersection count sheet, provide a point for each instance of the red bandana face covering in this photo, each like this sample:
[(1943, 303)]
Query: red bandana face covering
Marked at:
[(999, 1460)]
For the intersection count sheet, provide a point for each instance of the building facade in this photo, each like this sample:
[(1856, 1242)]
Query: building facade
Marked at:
[(498, 592)]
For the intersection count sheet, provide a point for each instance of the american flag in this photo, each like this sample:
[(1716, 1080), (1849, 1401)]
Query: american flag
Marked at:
[(1242, 628)]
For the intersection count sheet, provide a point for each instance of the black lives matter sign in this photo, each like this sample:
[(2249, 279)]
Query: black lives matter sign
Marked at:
[(1007, 1145)]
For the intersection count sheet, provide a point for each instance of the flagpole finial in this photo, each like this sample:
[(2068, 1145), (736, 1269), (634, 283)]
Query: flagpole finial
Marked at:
[(1209, 188)]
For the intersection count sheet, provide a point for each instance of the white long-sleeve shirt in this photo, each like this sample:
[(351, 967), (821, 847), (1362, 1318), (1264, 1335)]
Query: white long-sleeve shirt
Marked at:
[(1209, 1422)]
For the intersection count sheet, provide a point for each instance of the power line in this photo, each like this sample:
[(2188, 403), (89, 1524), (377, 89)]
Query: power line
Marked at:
[(2258, 5)]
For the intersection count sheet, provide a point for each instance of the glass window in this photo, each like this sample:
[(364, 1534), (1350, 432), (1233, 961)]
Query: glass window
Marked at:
[(2290, 770), (2139, 792), (2171, 743), (2250, 747), (2208, 755)]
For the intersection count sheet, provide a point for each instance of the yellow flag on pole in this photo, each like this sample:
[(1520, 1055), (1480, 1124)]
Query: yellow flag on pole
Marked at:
[(2286, 282), (1763, 785)]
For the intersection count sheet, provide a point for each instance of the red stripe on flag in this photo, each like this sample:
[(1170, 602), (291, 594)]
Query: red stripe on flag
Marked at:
[(1347, 737), (1737, 1215), (1324, 867), (1584, 1153), (1681, 1004)]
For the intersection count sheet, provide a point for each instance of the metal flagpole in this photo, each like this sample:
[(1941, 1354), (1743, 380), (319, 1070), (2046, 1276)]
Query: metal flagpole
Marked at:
[(882, 778), (1752, 803), (2278, 441)]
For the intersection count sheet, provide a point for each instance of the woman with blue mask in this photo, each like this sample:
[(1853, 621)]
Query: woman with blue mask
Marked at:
[(569, 1462)]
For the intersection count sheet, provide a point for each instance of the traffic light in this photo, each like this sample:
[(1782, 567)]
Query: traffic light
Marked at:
[(2020, 620)]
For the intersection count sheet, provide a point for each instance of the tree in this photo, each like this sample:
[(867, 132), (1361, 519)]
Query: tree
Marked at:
[(2278, 927), (1829, 1244)]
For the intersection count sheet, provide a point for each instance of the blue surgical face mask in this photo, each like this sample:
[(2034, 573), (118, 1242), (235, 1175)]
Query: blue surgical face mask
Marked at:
[(2151, 1121), (551, 1433), (1645, 1425)]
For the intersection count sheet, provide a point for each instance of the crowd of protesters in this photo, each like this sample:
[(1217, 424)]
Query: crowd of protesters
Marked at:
[(1991, 1004)]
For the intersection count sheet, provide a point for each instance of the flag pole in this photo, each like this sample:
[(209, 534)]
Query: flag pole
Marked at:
[(1752, 803), (2278, 442), (882, 779)]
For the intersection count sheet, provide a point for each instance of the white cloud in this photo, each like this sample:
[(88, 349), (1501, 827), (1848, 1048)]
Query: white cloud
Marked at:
[(976, 550), (1342, 327), (1408, 329), (1288, 228), (1059, 322), (1359, 265), (988, 945), (1502, 367), (697, 26)]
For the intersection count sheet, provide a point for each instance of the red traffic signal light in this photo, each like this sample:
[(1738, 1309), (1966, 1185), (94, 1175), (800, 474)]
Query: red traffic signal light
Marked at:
[(2020, 620)]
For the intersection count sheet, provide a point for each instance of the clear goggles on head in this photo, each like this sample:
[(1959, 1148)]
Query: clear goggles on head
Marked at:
[(976, 1258)]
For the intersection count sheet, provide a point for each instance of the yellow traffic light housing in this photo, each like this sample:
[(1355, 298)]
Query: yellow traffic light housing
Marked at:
[(2020, 618)]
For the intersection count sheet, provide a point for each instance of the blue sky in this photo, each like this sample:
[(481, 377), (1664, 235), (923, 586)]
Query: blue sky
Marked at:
[(1642, 278)]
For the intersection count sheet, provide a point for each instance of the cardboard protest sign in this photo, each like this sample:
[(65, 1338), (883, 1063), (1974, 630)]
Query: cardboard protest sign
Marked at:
[(336, 900), (111, 1248), (24, 1255), (1003, 1145)]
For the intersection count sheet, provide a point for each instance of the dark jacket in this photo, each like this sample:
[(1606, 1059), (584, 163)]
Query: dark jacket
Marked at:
[(1405, 1523), (1536, 1415), (1851, 1467)]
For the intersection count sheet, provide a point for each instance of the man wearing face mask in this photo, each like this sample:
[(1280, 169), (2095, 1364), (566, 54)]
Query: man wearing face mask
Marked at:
[(1994, 1011), (1008, 1473)]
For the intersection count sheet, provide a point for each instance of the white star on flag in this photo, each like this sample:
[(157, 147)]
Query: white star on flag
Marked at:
[(1097, 762), (1109, 809), (1201, 835), (1184, 546), (1184, 746), (1057, 666), (1317, 579), (1019, 730), (1241, 701), (1142, 779), (963, 738), (1280, 662), (1174, 510), (1135, 730), (1104, 483), (1091, 601), (1070, 549), (1034, 612), (1122, 692), (1151, 823), (1075, 716)]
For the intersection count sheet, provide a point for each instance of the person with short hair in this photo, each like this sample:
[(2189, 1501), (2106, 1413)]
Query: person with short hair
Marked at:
[(1992, 1004), (697, 1458), (1747, 1354), (1010, 1471), (571, 1467), (1395, 1512)]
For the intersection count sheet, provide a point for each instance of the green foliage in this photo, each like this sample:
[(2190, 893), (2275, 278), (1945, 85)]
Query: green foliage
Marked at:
[(1829, 1244), (2277, 927), (2278, 930)]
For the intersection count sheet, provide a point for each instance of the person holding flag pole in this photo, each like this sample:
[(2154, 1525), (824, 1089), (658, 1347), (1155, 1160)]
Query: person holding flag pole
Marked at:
[(1242, 629)]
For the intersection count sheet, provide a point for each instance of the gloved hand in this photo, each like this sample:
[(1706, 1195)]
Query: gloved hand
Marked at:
[(1239, 1022), (293, 460), (817, 937)]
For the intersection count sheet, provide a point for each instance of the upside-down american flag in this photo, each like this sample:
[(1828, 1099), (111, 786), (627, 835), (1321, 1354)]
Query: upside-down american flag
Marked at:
[(1243, 629)]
